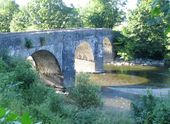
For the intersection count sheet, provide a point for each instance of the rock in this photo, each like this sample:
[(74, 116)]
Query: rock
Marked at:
[(119, 62)]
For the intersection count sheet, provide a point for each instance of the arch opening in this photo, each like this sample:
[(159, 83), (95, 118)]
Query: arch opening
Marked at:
[(48, 67), (107, 51), (84, 58)]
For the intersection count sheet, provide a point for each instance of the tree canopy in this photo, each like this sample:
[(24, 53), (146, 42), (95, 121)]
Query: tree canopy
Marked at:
[(103, 13), (145, 38), (7, 9), (52, 14), (161, 11), (48, 14)]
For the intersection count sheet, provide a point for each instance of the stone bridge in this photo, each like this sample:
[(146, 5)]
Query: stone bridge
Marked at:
[(55, 52)]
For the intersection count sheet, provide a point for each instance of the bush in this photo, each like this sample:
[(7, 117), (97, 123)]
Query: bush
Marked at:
[(3, 66), (114, 116), (86, 116), (84, 93), (151, 110), (5, 56), (167, 62), (97, 116), (161, 112), (25, 74), (23, 91), (167, 59), (28, 43), (49, 107), (8, 117), (143, 111), (36, 94)]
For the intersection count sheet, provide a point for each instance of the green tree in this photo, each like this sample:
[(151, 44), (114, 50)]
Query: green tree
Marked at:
[(103, 13), (161, 11), (46, 14), (21, 21), (7, 10), (145, 40)]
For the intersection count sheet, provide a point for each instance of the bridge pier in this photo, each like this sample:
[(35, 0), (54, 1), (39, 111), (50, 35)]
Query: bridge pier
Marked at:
[(99, 56)]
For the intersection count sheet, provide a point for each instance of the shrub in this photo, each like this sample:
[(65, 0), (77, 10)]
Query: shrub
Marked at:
[(167, 59), (25, 74), (23, 91), (97, 116), (114, 116), (143, 111), (3, 66), (85, 94), (151, 110), (8, 117), (47, 106), (86, 116), (161, 112), (36, 94), (28, 43), (4, 55)]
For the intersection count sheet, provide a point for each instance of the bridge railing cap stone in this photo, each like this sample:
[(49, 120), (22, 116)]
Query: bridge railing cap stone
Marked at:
[(58, 30)]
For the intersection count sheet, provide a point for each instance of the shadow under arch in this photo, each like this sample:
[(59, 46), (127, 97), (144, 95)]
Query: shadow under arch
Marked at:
[(84, 58), (48, 67), (107, 50)]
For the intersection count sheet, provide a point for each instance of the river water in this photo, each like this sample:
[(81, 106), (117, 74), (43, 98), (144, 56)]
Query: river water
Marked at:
[(123, 84), (133, 76)]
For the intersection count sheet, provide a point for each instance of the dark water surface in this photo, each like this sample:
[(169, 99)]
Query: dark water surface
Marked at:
[(133, 75)]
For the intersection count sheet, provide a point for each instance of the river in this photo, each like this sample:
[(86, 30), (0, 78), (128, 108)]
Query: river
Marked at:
[(133, 76)]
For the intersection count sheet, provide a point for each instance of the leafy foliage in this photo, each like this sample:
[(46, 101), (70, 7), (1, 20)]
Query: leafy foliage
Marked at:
[(161, 11), (28, 43), (144, 40), (23, 92), (103, 13), (152, 110), (3, 66), (7, 9), (8, 117), (162, 112), (21, 21), (84, 94), (144, 111), (48, 14), (19, 88), (25, 74), (43, 104)]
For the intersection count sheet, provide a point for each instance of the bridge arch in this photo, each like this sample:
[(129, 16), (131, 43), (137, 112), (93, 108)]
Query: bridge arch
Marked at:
[(48, 67), (84, 58)]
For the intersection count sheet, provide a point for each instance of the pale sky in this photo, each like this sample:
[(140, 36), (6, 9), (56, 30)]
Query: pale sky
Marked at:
[(80, 3)]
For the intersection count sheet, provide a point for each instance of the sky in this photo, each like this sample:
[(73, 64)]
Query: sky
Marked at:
[(80, 3)]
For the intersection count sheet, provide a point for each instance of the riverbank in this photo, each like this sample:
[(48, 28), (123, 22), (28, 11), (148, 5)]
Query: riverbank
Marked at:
[(143, 62)]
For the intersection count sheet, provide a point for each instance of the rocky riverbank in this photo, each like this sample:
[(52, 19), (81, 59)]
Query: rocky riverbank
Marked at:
[(146, 62)]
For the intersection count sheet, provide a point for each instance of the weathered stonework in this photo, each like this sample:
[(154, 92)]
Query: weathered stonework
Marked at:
[(61, 44)]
